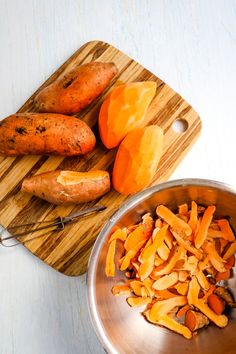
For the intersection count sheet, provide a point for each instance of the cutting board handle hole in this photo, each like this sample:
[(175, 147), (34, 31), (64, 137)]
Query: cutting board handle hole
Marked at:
[(180, 125)]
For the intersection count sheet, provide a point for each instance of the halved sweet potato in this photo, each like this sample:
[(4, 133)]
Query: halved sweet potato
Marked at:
[(137, 159), (124, 110)]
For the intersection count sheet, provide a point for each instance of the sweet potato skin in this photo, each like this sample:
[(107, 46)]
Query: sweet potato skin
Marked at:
[(68, 187), (45, 134), (75, 90)]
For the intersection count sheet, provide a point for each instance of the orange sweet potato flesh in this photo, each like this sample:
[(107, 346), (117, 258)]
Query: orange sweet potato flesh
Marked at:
[(214, 257), (74, 90), (175, 326), (182, 311), (176, 223), (219, 320), (204, 225), (185, 272), (45, 134), (110, 267), (119, 234), (193, 220), (223, 275), (137, 159), (195, 320), (226, 229), (230, 251), (138, 301), (124, 110), (134, 238), (68, 187), (122, 289), (163, 307), (166, 281), (147, 257), (216, 303), (230, 262)]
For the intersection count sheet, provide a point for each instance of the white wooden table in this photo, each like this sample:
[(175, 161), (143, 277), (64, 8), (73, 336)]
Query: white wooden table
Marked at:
[(191, 45)]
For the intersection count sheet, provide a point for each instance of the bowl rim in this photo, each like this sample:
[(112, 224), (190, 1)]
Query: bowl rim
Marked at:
[(131, 202)]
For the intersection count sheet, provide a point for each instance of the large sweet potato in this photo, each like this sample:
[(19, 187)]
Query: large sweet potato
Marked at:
[(45, 134), (125, 110), (68, 187), (75, 90), (137, 159)]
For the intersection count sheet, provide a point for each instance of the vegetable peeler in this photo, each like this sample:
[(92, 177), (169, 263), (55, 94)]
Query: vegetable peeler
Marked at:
[(57, 224)]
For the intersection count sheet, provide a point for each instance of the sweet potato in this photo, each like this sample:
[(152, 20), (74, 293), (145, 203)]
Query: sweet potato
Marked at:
[(45, 134), (110, 268), (124, 110), (230, 251), (216, 303), (226, 229), (224, 294), (122, 289), (67, 187), (216, 260), (204, 225), (170, 218), (182, 311), (73, 91), (219, 320), (193, 220), (137, 159), (222, 275), (166, 281), (230, 262), (169, 322), (147, 257), (138, 301), (195, 320), (163, 307), (178, 251)]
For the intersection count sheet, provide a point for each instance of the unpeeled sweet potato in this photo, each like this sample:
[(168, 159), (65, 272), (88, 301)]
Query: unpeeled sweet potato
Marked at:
[(68, 187), (45, 134), (74, 90), (137, 159)]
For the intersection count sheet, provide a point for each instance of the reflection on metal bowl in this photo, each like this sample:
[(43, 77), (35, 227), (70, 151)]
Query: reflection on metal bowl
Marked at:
[(122, 329)]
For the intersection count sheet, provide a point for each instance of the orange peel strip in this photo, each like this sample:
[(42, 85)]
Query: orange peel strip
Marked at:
[(204, 225), (110, 268)]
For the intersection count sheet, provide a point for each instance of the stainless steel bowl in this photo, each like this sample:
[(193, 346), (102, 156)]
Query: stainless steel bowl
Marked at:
[(122, 329)]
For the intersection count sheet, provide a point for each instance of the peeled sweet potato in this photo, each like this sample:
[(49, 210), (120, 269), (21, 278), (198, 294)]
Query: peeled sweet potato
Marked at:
[(45, 134), (137, 159), (68, 187), (124, 110), (73, 91)]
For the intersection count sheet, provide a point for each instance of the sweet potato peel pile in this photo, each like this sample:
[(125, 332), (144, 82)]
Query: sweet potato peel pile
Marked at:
[(175, 266)]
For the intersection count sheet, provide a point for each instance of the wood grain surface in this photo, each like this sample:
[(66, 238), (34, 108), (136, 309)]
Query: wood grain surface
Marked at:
[(67, 251)]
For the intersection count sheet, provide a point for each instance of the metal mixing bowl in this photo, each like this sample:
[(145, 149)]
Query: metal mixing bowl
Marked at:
[(122, 329)]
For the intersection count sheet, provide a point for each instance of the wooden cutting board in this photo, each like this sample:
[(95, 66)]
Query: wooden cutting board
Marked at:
[(67, 251)]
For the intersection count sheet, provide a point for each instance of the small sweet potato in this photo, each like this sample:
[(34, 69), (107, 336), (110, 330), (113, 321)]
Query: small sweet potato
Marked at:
[(216, 303), (74, 90), (45, 134), (68, 187), (195, 320)]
